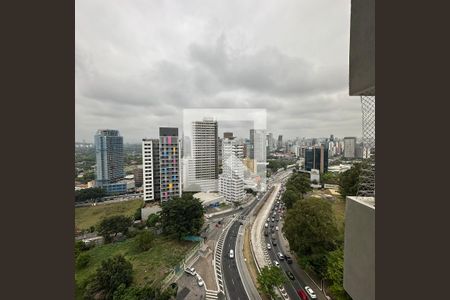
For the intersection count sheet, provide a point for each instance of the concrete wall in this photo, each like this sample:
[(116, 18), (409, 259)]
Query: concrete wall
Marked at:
[(359, 248), (362, 47)]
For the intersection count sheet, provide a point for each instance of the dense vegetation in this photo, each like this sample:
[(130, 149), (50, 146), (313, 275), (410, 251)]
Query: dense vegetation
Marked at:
[(296, 187), (182, 216), (275, 164), (313, 233), (268, 279), (330, 178), (349, 180), (109, 227), (89, 194)]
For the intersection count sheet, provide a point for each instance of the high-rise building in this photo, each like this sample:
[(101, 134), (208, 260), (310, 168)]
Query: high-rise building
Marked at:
[(151, 170), (349, 147), (280, 142), (316, 158), (231, 181), (169, 163), (109, 160), (258, 142), (205, 153), (138, 176)]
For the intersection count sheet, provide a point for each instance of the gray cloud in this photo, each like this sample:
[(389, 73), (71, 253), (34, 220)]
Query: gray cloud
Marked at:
[(139, 63)]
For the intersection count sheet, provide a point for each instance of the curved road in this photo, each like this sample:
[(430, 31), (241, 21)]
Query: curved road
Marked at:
[(234, 288)]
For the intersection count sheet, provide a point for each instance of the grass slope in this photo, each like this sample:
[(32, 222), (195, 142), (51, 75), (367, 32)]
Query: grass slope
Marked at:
[(86, 217), (149, 266)]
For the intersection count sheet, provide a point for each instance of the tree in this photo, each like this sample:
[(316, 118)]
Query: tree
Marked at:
[(330, 178), (82, 260), (137, 214), (269, 278), (112, 226), (88, 194), (311, 229), (80, 246), (112, 273), (349, 180), (335, 274), (182, 216), (299, 183), (144, 240), (152, 220), (290, 197)]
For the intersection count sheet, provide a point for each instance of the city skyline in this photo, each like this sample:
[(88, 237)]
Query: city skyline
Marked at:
[(161, 58)]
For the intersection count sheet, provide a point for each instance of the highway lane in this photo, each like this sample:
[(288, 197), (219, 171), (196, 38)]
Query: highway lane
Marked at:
[(234, 287), (233, 284)]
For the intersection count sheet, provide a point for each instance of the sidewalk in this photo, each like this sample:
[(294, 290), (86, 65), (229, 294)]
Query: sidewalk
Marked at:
[(257, 229)]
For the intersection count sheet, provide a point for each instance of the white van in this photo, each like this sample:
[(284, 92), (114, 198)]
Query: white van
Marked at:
[(231, 253)]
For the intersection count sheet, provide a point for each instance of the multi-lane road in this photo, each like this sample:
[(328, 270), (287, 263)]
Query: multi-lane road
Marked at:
[(234, 287)]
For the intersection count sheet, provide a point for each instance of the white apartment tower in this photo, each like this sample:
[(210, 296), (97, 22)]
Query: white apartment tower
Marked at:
[(231, 181), (205, 154)]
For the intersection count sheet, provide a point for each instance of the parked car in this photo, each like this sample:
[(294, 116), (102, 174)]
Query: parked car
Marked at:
[(302, 294), (276, 263), (266, 225), (274, 242), (268, 246), (276, 228), (280, 256), (231, 253), (310, 292), (200, 281), (191, 271), (290, 275)]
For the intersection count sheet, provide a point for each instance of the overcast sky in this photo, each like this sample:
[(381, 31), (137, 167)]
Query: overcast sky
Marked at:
[(139, 63)]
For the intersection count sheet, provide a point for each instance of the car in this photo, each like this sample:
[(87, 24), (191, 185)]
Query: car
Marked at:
[(276, 228), (273, 219), (266, 233), (276, 263), (200, 281), (271, 225), (290, 275), (231, 253), (274, 242), (191, 271), (268, 246), (268, 219), (272, 230), (280, 255), (266, 225), (310, 292), (302, 294), (288, 259)]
